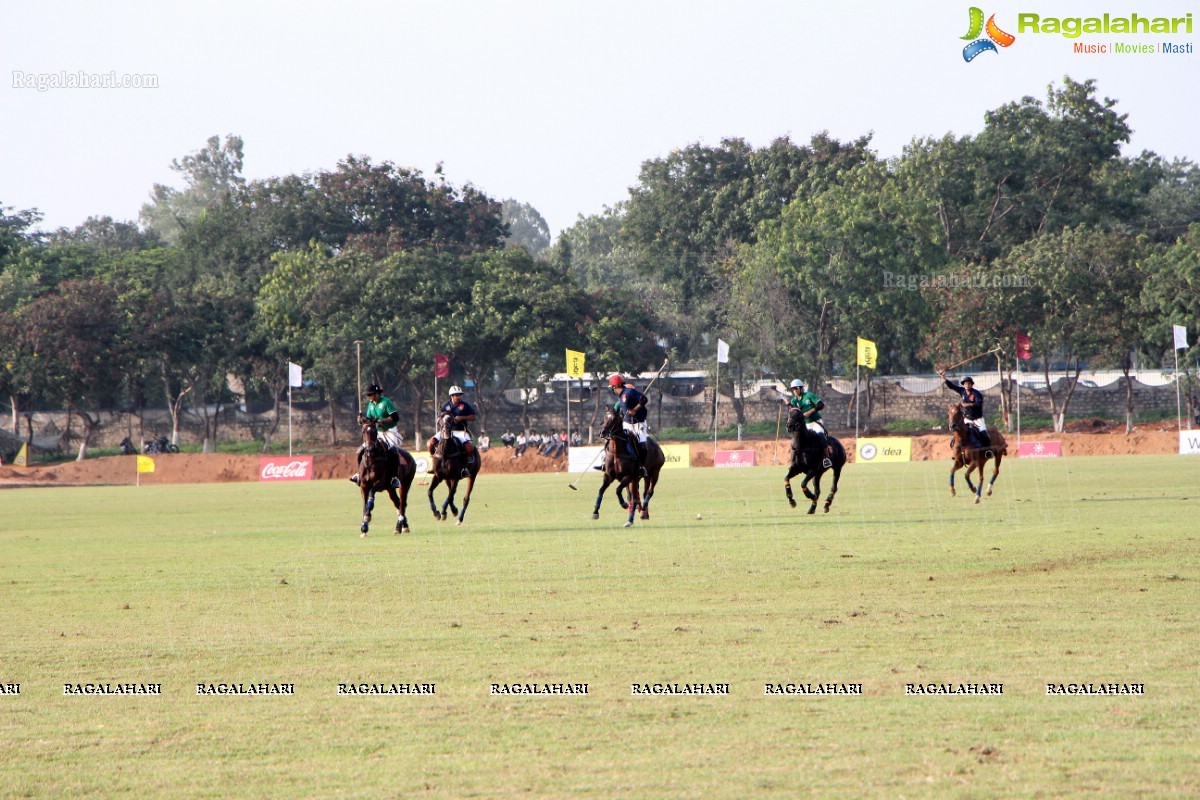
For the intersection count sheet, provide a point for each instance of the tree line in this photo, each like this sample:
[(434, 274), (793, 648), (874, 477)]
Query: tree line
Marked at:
[(1036, 225)]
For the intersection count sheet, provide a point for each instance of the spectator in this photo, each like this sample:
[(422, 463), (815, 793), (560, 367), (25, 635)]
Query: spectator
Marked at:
[(485, 442), (509, 438), (576, 439), (521, 444)]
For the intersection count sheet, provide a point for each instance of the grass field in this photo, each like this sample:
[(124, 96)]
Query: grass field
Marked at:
[(1076, 571)]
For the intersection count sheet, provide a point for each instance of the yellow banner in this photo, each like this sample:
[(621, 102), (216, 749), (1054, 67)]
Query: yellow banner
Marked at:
[(871, 451), (145, 464), (866, 353), (679, 456), (574, 364)]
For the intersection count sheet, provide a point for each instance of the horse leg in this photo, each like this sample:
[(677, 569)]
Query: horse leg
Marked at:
[(837, 474), (451, 487), (793, 471), (466, 498), (621, 495), (954, 465), (600, 495), (395, 498), (432, 503), (368, 504), (633, 500), (816, 492), (995, 472), (650, 481)]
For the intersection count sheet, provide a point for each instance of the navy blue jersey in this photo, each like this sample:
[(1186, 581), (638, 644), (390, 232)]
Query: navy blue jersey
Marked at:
[(631, 404), (460, 409), (971, 396)]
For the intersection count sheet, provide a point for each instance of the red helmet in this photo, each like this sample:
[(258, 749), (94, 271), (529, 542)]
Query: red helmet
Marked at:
[(616, 380)]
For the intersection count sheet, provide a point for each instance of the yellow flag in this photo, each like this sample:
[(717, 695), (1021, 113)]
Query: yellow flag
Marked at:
[(866, 353), (574, 364), (145, 464), (22, 459)]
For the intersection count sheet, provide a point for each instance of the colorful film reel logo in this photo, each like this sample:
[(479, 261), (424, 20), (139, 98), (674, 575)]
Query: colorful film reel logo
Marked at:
[(995, 36)]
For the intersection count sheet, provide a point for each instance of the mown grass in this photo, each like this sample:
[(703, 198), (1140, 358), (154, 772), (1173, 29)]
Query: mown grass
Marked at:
[(1076, 570)]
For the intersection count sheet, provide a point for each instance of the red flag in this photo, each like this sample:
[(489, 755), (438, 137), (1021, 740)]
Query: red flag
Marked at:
[(1023, 347), (441, 366)]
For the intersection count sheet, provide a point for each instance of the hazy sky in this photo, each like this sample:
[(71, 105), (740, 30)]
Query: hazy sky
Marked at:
[(552, 102)]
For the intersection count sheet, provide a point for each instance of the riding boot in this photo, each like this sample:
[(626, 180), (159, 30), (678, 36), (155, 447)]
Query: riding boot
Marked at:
[(641, 448), (826, 462)]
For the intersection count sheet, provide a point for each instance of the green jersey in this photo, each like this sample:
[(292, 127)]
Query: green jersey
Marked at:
[(381, 410), (806, 402)]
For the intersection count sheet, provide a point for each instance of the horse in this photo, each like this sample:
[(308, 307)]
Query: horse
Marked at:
[(973, 458), (386, 468), (808, 459), (620, 465), (452, 464)]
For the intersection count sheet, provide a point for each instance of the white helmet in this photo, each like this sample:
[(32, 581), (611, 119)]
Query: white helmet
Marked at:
[(796, 384), (455, 390)]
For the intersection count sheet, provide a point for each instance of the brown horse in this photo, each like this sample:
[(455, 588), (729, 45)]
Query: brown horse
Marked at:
[(384, 468), (620, 466), (808, 459), (973, 458), (452, 464)]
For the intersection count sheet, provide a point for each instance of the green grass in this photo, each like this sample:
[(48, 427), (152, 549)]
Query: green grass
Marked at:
[(1075, 570)]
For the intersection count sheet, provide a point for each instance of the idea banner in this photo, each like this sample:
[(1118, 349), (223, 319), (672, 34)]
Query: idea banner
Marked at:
[(285, 468), (1189, 443), (886, 449)]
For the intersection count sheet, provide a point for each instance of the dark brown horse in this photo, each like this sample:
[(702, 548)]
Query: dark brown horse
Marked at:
[(383, 468), (452, 464), (620, 466), (972, 457), (808, 458)]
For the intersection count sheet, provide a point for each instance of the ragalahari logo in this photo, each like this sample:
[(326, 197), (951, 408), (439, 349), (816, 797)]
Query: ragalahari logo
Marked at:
[(995, 36)]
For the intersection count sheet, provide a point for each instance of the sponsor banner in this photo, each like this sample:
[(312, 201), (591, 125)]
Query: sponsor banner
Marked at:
[(735, 458), (1040, 450), (424, 464), (872, 451), (580, 458), (1189, 443), (285, 468), (679, 456)]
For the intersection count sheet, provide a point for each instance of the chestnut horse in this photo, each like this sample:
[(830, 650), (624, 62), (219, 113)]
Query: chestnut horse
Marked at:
[(971, 457), (620, 465), (384, 468)]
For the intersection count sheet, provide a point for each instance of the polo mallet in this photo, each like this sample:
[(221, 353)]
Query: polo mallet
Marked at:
[(585, 472), (995, 349)]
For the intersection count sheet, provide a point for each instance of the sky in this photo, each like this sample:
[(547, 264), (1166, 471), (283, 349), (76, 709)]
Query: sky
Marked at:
[(554, 103)]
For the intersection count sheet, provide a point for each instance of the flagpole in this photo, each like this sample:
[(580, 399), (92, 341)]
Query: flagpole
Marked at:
[(1018, 388), (716, 400), (289, 411), (857, 378), (1178, 412)]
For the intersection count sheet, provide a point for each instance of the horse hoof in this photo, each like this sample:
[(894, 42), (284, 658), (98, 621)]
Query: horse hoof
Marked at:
[(793, 502), (627, 525), (976, 499), (362, 535), (812, 510), (363, 528), (458, 524), (826, 509), (596, 515)]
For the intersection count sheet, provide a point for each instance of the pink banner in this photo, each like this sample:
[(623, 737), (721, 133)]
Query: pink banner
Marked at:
[(735, 458), (285, 468), (1040, 450)]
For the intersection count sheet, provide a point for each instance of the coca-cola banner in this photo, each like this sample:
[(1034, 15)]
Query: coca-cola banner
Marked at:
[(285, 468)]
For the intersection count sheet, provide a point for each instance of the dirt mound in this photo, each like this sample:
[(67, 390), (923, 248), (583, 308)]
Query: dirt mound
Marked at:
[(1084, 439)]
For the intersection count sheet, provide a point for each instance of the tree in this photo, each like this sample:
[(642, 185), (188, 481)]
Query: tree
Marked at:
[(527, 228), (211, 175)]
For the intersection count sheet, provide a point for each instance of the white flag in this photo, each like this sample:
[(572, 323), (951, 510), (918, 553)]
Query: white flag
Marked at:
[(295, 375), (722, 352), (1180, 337)]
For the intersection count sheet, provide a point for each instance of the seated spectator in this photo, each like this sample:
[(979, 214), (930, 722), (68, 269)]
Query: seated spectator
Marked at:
[(576, 439), (521, 444), (509, 438), (485, 442)]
